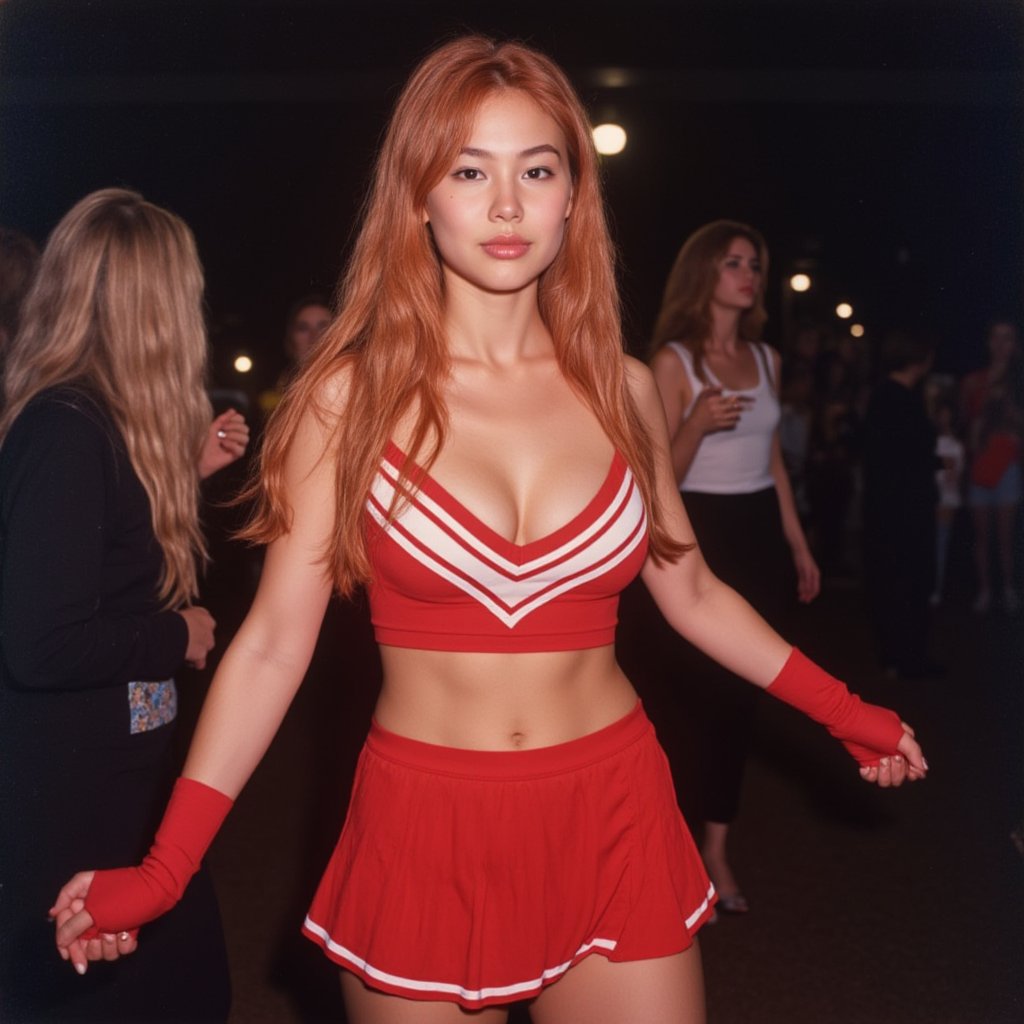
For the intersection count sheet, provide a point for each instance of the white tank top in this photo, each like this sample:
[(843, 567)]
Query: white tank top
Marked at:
[(736, 461)]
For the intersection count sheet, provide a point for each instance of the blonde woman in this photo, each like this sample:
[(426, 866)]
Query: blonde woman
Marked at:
[(106, 425), (469, 439)]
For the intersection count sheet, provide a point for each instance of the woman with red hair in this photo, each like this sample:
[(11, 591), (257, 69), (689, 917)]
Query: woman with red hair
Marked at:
[(470, 442)]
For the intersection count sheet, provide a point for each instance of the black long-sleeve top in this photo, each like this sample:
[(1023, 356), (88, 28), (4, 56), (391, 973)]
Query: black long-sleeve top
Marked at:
[(79, 567), (86, 759), (899, 460)]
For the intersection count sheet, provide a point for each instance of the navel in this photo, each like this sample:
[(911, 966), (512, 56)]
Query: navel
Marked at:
[(517, 739)]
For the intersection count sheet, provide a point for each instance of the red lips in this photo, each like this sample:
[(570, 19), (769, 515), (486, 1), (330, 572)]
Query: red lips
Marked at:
[(506, 247)]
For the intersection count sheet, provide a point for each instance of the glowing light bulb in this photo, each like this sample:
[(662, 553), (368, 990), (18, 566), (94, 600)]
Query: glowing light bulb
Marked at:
[(242, 364), (844, 311), (800, 282), (857, 330), (609, 139)]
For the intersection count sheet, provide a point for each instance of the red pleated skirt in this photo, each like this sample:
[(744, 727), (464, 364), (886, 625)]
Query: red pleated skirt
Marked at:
[(479, 877)]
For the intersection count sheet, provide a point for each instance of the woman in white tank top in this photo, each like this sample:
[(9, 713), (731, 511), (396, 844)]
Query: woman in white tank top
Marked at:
[(719, 385)]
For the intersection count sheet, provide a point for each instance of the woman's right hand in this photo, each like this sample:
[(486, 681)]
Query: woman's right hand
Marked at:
[(907, 765), (713, 411), (200, 635), (73, 921)]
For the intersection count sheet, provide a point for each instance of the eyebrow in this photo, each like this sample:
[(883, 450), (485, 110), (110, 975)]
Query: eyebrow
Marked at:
[(532, 151)]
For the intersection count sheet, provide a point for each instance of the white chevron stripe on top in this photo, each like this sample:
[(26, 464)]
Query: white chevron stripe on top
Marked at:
[(508, 591), (384, 490)]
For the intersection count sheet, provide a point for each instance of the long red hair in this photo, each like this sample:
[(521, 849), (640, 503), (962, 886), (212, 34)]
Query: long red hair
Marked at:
[(389, 328)]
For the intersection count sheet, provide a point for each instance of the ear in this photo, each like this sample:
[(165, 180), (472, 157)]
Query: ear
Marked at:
[(572, 195)]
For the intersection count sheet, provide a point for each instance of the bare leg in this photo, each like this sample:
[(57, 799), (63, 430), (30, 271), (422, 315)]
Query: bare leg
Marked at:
[(981, 532), (668, 990), (713, 853), (365, 1005)]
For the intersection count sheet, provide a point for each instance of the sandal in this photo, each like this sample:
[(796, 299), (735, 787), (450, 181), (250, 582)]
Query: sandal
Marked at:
[(734, 903)]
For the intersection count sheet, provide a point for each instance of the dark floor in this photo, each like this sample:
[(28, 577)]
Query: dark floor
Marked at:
[(867, 906)]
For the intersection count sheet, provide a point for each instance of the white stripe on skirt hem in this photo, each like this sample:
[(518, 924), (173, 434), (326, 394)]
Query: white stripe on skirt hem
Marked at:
[(475, 995), (447, 988)]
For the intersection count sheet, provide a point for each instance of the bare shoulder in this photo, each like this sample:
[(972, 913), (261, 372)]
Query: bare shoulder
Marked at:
[(643, 389), (640, 378), (671, 376), (666, 363), (322, 406), (330, 395)]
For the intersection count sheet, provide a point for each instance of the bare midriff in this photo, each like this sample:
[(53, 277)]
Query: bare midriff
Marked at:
[(502, 701)]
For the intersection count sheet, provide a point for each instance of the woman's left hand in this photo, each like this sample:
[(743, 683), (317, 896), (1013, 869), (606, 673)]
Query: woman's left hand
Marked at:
[(72, 921), (907, 765), (226, 441), (808, 578)]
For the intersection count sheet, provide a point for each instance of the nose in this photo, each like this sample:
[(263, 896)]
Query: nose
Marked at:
[(506, 205)]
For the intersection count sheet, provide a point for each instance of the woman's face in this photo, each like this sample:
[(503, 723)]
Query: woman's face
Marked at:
[(307, 326), (739, 276), (498, 215)]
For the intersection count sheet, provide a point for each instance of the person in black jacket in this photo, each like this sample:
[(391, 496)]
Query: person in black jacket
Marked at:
[(105, 432), (900, 495)]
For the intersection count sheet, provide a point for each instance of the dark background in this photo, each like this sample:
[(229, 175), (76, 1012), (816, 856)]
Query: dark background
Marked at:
[(880, 140)]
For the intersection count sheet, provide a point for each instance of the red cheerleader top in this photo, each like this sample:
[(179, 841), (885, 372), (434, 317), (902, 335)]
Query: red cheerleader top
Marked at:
[(445, 581)]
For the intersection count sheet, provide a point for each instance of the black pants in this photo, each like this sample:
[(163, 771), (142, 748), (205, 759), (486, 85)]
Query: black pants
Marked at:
[(76, 800), (899, 571), (741, 538)]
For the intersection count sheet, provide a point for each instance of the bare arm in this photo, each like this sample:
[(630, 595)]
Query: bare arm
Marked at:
[(248, 698), (226, 441), (268, 658), (808, 576), (713, 617), (697, 604), (709, 413)]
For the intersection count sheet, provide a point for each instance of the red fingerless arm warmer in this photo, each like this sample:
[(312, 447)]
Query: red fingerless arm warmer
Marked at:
[(868, 732), (125, 898)]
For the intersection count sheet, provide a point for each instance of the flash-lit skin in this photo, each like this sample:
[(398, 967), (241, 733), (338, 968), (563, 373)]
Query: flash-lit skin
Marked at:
[(524, 454), (498, 215)]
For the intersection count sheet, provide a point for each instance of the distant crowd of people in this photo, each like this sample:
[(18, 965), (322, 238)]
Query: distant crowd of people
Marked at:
[(976, 455)]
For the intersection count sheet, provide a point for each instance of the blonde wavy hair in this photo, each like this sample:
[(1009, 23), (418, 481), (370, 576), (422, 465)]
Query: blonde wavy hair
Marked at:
[(116, 306), (685, 313), (390, 325)]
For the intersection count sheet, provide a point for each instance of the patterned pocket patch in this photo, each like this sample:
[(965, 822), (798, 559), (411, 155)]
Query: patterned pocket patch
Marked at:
[(152, 705)]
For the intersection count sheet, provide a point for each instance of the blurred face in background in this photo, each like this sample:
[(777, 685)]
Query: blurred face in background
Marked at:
[(306, 327), (739, 276)]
